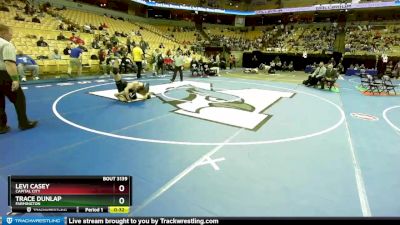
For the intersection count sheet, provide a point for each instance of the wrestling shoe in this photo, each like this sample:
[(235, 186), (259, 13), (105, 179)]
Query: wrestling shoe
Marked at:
[(29, 125), (4, 130)]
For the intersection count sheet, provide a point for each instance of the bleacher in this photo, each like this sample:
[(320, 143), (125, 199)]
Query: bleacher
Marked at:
[(48, 29), (383, 39), (181, 35), (311, 38)]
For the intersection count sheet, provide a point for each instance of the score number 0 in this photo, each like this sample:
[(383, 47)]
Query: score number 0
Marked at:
[(121, 200)]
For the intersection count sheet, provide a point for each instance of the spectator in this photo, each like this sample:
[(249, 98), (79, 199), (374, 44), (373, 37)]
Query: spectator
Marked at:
[(389, 68), (254, 62), (102, 58), (82, 47), (4, 8), (61, 26), (75, 60), (284, 66), (330, 76), (143, 45), (42, 43), (71, 28), (24, 63), (291, 67), (114, 40), (340, 68), (129, 44), (160, 63), (332, 61), (87, 28), (126, 65), (67, 50), (92, 27), (104, 25), (61, 37), (396, 70), (316, 76), (55, 55), (35, 20), (76, 39), (72, 38), (154, 60), (232, 61), (19, 18), (96, 44), (222, 63)]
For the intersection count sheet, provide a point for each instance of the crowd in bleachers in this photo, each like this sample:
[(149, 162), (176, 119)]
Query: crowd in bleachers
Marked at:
[(369, 39), (277, 39), (55, 32)]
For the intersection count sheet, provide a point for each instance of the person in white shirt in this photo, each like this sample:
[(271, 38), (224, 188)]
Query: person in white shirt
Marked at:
[(316, 76), (55, 55), (178, 65), (10, 86)]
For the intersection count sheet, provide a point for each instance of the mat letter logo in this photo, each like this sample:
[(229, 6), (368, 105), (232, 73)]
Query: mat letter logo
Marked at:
[(239, 108), (9, 220)]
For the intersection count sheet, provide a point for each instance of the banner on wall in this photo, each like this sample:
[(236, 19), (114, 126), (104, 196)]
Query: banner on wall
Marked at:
[(321, 7)]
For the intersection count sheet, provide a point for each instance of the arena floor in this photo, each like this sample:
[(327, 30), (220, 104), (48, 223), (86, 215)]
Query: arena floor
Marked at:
[(284, 149)]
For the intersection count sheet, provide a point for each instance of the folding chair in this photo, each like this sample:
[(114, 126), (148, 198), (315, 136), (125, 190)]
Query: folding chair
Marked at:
[(388, 85), (373, 85), (330, 83), (364, 80)]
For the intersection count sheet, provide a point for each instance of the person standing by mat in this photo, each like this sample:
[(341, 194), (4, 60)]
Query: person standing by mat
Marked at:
[(138, 57), (75, 60), (178, 63), (9, 84)]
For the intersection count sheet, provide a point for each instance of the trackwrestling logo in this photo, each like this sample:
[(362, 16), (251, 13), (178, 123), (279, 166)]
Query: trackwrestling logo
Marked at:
[(240, 108)]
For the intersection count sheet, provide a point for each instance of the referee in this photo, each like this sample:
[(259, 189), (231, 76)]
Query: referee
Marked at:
[(9, 84), (178, 62)]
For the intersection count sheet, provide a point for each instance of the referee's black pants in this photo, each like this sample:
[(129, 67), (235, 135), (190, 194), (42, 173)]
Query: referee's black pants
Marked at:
[(139, 69), (17, 98), (177, 68)]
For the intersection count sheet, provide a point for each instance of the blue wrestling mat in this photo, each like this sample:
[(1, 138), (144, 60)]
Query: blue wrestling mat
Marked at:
[(217, 146)]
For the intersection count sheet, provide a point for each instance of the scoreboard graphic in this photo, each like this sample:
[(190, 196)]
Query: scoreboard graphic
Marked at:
[(70, 194)]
